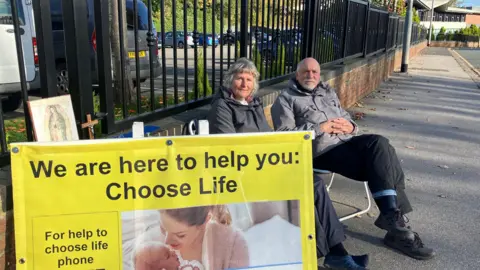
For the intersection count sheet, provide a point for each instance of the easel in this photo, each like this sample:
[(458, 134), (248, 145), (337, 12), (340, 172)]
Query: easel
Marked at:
[(90, 124)]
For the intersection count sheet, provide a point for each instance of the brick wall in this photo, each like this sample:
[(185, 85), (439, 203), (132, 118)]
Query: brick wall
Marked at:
[(360, 81), (472, 19), (353, 85), (7, 243)]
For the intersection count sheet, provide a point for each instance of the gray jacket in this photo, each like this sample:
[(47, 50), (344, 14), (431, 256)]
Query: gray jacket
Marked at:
[(300, 109), (230, 116)]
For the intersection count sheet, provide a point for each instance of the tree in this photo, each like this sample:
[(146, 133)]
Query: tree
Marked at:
[(441, 34), (401, 9), (127, 90), (416, 17), (155, 5)]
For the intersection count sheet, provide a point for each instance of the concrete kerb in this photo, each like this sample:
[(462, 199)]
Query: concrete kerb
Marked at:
[(469, 68)]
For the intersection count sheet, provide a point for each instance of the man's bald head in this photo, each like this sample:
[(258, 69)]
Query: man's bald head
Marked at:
[(308, 73), (306, 62)]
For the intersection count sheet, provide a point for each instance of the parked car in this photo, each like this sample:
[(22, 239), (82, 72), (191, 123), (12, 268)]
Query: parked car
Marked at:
[(10, 86), (59, 43), (159, 40), (210, 40), (180, 39)]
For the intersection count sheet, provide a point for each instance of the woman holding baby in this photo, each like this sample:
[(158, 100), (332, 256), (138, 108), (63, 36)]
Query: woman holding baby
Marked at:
[(196, 238)]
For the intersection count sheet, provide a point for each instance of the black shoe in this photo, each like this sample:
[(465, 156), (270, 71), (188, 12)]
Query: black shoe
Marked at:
[(410, 244), (392, 222), (344, 262), (361, 260)]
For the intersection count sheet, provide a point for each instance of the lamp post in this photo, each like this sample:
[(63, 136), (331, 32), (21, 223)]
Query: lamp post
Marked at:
[(431, 20), (407, 37)]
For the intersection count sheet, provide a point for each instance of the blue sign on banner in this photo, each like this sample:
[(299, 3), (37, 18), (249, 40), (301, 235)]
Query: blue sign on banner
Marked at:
[(146, 130)]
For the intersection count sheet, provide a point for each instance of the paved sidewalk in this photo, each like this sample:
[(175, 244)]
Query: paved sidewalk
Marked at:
[(432, 118)]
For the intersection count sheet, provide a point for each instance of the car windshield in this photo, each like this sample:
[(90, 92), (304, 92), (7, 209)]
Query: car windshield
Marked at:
[(6, 12)]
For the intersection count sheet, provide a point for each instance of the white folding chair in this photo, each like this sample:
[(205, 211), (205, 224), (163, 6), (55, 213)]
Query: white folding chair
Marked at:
[(360, 211)]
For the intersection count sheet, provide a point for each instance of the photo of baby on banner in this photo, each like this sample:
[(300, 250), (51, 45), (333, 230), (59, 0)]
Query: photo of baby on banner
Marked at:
[(253, 235)]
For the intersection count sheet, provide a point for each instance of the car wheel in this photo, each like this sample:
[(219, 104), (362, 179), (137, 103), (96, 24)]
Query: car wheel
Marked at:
[(12, 102), (62, 79), (180, 45)]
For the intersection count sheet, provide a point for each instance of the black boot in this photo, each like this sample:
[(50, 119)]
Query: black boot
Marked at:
[(410, 244), (392, 221), (390, 218)]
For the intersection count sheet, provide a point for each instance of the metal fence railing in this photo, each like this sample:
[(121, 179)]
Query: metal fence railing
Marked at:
[(133, 60)]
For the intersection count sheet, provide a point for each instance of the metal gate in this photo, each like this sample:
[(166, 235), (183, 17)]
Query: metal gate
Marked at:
[(157, 58)]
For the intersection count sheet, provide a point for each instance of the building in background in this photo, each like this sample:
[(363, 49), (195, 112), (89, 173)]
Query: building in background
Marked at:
[(446, 15)]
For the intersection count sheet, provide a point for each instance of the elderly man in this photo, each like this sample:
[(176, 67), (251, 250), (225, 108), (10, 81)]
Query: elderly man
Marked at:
[(236, 109), (309, 104)]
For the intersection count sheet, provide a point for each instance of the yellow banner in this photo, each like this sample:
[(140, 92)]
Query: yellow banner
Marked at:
[(191, 202)]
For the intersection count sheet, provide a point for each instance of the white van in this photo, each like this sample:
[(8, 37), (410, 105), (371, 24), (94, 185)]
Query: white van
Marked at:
[(9, 70)]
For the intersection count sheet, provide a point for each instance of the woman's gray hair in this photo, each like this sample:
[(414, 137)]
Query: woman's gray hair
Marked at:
[(242, 65)]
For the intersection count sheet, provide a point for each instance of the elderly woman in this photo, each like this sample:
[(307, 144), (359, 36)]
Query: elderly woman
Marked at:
[(236, 109)]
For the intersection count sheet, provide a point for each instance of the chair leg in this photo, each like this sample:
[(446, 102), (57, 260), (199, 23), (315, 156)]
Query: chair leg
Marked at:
[(331, 182), (360, 212)]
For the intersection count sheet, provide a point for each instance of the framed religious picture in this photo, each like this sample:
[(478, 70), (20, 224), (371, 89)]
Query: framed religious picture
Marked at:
[(53, 119)]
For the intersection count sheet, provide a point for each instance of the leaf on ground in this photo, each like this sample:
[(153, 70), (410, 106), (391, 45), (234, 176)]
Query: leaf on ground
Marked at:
[(359, 116), (371, 215), (410, 147), (359, 104), (373, 109), (443, 166)]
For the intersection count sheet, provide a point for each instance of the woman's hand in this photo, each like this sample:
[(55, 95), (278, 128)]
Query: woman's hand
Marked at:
[(156, 256)]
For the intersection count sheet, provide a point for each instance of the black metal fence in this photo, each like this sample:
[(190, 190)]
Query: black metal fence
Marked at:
[(132, 60)]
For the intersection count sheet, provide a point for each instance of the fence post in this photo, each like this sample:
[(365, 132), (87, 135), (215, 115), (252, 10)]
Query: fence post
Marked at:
[(104, 62), (77, 47), (309, 28), (367, 25), (386, 33), (243, 28), (21, 67), (345, 36), (46, 55), (395, 31)]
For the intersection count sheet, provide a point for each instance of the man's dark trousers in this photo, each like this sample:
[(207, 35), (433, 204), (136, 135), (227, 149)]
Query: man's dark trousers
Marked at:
[(368, 158), (328, 229)]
